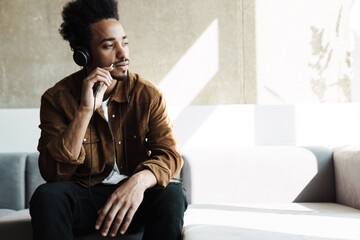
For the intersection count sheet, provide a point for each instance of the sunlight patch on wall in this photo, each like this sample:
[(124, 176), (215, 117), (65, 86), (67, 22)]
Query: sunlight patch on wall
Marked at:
[(193, 71), (228, 126), (331, 124)]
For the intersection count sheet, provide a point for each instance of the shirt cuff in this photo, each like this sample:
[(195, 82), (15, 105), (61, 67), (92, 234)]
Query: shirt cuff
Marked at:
[(161, 173), (60, 153)]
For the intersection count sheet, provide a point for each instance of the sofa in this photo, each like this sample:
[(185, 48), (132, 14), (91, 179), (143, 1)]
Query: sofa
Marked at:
[(262, 192)]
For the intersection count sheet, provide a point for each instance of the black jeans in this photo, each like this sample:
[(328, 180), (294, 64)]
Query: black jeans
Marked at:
[(60, 210)]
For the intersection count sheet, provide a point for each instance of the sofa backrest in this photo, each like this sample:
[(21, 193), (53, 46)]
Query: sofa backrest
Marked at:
[(224, 176), (258, 174), (12, 180), (18, 179), (32, 176)]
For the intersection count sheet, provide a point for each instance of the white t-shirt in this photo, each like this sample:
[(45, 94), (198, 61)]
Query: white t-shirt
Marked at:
[(115, 176)]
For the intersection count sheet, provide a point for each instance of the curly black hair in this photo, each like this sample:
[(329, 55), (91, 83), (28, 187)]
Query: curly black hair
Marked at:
[(79, 14)]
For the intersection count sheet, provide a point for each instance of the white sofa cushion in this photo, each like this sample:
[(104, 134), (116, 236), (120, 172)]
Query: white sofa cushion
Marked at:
[(315, 221)]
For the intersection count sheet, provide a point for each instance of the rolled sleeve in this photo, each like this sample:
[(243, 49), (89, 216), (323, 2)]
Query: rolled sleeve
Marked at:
[(60, 153), (56, 163), (165, 160)]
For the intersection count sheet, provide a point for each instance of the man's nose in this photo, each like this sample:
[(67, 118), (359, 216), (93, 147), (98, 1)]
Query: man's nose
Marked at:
[(120, 51)]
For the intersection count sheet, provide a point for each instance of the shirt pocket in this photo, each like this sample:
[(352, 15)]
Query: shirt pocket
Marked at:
[(90, 138), (136, 135), (91, 144), (136, 147)]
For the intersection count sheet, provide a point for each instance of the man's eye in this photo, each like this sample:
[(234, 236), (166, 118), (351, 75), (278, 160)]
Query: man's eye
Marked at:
[(126, 43), (108, 46)]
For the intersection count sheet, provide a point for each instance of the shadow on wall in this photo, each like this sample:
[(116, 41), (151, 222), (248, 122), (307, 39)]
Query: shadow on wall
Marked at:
[(323, 53)]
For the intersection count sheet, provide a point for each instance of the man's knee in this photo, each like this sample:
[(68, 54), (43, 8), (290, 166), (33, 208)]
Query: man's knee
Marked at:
[(174, 192), (165, 213), (48, 191), (171, 198), (50, 195)]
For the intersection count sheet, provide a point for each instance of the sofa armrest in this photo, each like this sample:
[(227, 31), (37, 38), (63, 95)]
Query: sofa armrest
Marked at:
[(347, 175)]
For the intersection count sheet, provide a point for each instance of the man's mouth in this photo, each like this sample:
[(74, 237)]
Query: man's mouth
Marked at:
[(121, 67), (122, 62)]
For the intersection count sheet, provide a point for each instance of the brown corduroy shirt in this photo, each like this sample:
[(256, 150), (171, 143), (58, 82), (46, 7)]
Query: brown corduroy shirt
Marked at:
[(150, 138)]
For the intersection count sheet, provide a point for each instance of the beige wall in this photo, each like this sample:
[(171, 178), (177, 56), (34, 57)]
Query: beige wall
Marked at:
[(32, 54), (162, 35), (198, 52)]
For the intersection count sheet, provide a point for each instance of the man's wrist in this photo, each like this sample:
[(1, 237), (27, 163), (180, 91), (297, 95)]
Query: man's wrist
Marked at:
[(85, 111), (145, 178)]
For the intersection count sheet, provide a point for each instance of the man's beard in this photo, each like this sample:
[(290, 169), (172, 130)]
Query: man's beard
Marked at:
[(122, 77), (125, 76)]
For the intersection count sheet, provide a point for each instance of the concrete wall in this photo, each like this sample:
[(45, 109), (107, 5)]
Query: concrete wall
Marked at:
[(32, 54), (192, 44), (198, 52)]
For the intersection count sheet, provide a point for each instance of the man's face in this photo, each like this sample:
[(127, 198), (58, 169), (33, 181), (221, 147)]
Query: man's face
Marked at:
[(109, 45)]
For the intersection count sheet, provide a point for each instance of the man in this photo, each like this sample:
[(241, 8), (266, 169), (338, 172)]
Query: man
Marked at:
[(107, 148)]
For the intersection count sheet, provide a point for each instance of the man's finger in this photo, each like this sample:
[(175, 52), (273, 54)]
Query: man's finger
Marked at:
[(100, 219), (103, 213), (126, 223), (118, 220), (109, 219)]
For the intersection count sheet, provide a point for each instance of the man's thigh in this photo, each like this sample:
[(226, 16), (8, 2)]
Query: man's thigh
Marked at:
[(84, 204), (76, 203)]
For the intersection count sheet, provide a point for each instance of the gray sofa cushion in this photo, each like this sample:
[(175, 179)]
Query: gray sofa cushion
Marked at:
[(32, 176), (5, 212), (16, 226), (12, 181)]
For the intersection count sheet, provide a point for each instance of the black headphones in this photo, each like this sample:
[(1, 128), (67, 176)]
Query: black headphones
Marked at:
[(81, 56)]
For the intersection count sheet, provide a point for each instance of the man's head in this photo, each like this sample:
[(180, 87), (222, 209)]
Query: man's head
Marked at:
[(78, 15), (94, 25)]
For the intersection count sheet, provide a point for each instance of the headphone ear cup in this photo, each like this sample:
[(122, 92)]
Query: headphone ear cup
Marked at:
[(81, 56)]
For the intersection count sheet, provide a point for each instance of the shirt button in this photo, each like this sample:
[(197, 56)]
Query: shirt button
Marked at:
[(134, 136), (84, 139), (113, 115), (119, 142)]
